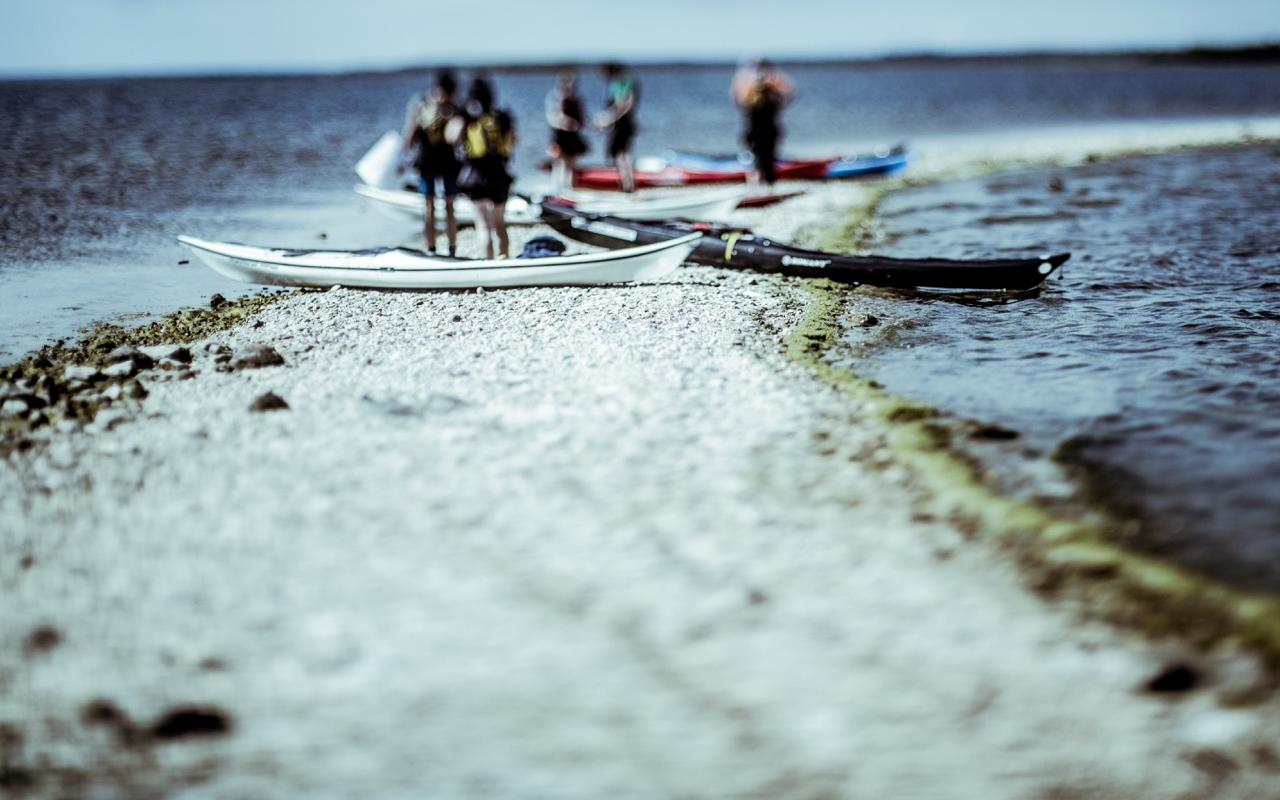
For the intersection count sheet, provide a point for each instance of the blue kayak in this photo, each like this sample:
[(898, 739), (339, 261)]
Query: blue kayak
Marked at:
[(878, 163), (881, 162)]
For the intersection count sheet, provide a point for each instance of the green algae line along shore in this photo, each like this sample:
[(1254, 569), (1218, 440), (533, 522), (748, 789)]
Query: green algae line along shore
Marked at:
[(1077, 555)]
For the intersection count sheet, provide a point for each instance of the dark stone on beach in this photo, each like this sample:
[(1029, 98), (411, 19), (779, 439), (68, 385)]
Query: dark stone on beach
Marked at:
[(757, 597), (269, 402), (1175, 678), (1214, 763), (138, 358), (457, 318), (102, 712), (168, 353), (217, 301), (259, 356), (868, 321), (26, 562), (191, 721), (214, 664), (1056, 184), (993, 433), (41, 640), (16, 779)]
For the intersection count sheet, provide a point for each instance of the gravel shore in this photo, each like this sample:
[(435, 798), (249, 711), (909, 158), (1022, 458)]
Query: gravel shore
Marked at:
[(553, 543)]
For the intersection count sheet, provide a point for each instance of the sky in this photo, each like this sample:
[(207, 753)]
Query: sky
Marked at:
[(103, 37)]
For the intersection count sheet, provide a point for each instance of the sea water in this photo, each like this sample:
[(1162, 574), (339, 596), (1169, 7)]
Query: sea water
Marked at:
[(1150, 367)]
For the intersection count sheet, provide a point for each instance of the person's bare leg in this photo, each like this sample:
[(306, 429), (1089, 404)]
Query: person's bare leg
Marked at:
[(500, 228), (451, 225), (627, 171), (559, 174), (484, 214), (570, 167), (429, 222)]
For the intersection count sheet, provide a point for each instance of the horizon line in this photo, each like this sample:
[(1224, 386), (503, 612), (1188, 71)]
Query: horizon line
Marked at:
[(1265, 51)]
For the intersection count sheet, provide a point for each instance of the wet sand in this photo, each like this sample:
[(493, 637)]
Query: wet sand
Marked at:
[(564, 543)]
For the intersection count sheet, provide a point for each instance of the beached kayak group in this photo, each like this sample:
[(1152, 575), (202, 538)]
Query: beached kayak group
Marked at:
[(457, 149)]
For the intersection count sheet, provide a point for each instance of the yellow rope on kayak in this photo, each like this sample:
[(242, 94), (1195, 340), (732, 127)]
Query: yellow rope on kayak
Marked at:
[(730, 239)]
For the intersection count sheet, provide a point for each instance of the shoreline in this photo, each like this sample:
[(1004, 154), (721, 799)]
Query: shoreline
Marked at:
[(1072, 556), (664, 534)]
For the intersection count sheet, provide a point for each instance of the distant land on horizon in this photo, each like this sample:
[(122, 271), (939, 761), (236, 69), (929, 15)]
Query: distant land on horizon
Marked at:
[(1248, 54)]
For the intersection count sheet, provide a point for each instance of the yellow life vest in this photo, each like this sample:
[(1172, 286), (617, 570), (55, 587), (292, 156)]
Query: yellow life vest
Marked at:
[(485, 137), (433, 117)]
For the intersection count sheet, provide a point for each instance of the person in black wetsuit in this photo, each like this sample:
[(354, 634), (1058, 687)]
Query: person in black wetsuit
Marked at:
[(427, 137), (566, 117), (619, 119), (762, 91), (488, 138)]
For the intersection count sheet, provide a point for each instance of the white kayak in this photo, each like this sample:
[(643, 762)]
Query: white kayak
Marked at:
[(705, 205), (401, 203), (710, 205), (403, 268)]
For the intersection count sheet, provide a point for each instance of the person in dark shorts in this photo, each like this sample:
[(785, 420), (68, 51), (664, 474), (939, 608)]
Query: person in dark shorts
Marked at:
[(619, 120), (427, 136), (566, 116), (487, 141), (762, 91)]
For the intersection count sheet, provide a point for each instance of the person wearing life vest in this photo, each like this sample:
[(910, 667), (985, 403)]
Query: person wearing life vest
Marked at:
[(566, 117), (487, 141), (619, 120), (427, 140), (762, 91)]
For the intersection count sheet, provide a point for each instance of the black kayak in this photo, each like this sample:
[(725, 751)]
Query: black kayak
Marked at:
[(726, 246)]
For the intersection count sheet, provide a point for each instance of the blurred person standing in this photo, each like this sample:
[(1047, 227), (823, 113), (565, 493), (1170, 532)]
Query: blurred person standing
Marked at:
[(427, 141), (761, 90), (566, 116), (488, 138), (618, 119), (481, 89)]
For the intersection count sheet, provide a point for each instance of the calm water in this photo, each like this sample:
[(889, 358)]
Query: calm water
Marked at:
[(1154, 363)]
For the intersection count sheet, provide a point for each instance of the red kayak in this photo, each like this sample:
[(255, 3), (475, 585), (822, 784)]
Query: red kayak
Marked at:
[(766, 200), (607, 177)]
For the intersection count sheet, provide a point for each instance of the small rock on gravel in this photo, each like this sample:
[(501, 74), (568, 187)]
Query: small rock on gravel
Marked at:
[(259, 356), (169, 352), (138, 358), (188, 721), (269, 402)]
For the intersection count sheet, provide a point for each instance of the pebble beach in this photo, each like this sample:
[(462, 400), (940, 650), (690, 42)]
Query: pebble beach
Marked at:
[(561, 543)]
